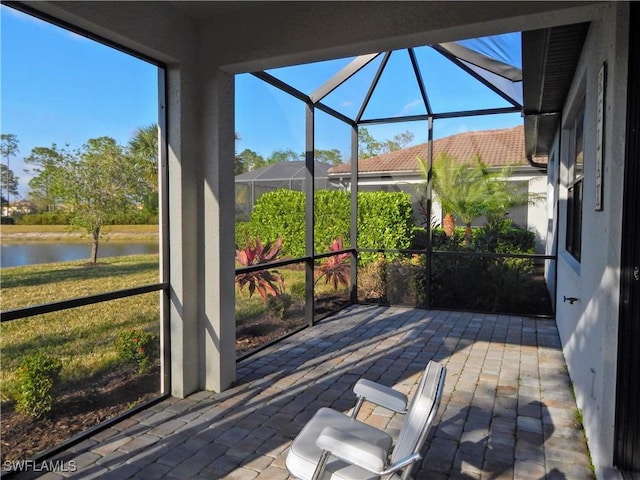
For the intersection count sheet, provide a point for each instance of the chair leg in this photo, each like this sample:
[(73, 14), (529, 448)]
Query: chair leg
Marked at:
[(356, 409), (317, 474)]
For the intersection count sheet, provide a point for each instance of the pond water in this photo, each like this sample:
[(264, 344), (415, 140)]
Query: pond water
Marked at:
[(32, 253)]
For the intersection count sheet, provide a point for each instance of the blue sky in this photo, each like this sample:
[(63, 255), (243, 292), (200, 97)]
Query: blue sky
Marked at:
[(59, 87), (268, 119)]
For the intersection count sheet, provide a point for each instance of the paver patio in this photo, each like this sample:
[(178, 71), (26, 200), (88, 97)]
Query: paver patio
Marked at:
[(507, 410)]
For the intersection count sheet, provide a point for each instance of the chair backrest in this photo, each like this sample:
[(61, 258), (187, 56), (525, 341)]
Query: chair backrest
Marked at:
[(421, 412)]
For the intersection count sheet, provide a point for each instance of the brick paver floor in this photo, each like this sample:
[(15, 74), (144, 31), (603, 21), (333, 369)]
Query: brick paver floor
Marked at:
[(507, 410)]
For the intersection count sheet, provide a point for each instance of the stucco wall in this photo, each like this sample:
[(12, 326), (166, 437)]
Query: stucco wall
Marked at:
[(588, 328)]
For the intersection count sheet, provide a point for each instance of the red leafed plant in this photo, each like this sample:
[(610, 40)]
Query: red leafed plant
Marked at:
[(335, 269), (267, 283)]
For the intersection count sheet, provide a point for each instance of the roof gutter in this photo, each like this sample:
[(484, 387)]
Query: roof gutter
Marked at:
[(549, 60), (542, 166)]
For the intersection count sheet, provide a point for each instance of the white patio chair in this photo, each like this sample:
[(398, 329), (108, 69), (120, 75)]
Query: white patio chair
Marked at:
[(334, 446)]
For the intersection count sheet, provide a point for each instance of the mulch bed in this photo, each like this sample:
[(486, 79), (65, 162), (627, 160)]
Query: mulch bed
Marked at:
[(265, 329), (91, 401), (78, 408)]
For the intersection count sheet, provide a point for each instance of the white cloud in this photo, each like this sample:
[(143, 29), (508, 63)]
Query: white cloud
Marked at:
[(411, 107)]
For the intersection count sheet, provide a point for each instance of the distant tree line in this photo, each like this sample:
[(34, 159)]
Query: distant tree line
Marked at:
[(249, 160)]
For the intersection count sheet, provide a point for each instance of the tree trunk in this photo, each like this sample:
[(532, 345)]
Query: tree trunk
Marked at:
[(468, 234), (95, 236), (449, 225)]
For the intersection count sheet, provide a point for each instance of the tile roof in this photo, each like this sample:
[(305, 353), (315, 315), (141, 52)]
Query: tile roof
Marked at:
[(496, 148)]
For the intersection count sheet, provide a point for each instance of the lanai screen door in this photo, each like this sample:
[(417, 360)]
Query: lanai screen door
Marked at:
[(627, 448)]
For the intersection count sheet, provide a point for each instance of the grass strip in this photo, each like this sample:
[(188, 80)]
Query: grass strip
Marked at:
[(82, 338), (47, 233)]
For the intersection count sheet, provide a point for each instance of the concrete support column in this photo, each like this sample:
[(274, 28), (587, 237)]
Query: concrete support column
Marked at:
[(184, 187), (201, 151), (217, 286)]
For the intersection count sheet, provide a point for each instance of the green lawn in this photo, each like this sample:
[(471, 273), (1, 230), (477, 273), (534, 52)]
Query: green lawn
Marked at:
[(83, 338), (49, 282)]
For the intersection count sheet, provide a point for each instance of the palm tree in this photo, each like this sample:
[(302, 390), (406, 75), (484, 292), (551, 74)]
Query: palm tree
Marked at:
[(469, 191), (143, 149), (503, 195)]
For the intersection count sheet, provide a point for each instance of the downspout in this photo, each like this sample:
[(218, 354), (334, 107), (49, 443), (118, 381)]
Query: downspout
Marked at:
[(556, 238), (542, 166)]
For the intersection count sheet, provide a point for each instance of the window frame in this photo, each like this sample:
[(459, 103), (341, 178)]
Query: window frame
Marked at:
[(575, 184)]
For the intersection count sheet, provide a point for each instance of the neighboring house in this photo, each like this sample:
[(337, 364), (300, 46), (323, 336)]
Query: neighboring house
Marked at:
[(399, 171), (17, 207), (250, 186)]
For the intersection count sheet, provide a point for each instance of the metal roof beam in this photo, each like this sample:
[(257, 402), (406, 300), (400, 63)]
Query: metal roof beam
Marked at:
[(483, 61), (435, 116), (476, 113), (457, 62), (373, 86), (423, 90), (342, 76), (335, 113), (285, 87)]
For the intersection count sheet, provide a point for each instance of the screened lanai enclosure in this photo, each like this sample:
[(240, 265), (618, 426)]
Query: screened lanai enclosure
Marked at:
[(306, 252)]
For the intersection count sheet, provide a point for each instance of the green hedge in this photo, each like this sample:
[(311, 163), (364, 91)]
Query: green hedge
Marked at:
[(505, 238), (52, 218), (385, 220), (279, 213), (332, 219), (133, 217)]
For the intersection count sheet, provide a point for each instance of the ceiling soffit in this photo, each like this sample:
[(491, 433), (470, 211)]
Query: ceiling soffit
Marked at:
[(550, 58)]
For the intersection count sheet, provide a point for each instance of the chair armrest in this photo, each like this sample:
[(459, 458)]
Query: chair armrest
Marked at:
[(352, 449), (400, 464), (381, 395)]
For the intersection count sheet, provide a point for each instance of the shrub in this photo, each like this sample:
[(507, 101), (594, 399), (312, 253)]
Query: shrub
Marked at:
[(406, 281), (442, 241), (47, 218), (277, 306), (298, 290), (37, 378), (267, 283), (397, 281), (280, 213), (385, 220), (134, 217), (510, 286), (457, 281), (129, 217), (336, 269), (501, 238), (138, 347), (332, 218), (243, 234)]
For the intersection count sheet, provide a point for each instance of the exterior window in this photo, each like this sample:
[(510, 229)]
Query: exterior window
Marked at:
[(575, 186)]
